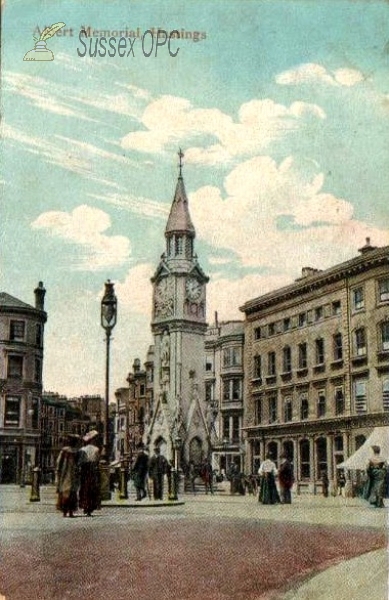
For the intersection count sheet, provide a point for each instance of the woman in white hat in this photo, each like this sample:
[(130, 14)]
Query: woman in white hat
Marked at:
[(89, 473)]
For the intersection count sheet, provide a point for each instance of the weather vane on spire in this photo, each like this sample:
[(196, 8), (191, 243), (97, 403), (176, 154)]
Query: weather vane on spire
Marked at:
[(180, 156)]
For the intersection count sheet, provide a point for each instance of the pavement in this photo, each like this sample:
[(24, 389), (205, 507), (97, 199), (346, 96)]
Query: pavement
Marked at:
[(365, 576)]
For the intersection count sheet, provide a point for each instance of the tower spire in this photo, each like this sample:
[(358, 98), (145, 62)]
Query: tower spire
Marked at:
[(180, 163)]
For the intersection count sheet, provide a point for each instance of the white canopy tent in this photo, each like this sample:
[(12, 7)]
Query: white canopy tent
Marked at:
[(360, 458)]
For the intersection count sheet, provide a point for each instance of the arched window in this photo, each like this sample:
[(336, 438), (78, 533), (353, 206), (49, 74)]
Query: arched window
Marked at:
[(321, 455), (305, 465)]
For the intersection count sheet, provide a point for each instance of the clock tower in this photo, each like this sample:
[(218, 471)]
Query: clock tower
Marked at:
[(179, 326)]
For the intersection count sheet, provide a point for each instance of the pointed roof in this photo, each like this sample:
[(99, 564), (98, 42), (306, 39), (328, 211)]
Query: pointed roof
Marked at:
[(179, 220), (8, 301)]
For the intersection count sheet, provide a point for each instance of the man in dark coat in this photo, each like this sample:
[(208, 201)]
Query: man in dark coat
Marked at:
[(285, 479), (140, 472), (157, 470)]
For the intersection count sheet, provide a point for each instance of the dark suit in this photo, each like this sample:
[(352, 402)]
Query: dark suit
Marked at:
[(157, 470), (140, 471)]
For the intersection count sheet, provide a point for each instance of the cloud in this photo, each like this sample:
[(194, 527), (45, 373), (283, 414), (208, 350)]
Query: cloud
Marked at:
[(170, 119), (85, 227), (318, 228), (313, 73), (135, 292), (144, 207)]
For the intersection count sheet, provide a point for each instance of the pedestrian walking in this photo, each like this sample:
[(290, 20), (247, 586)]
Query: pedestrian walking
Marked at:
[(267, 471), (207, 476), (157, 470), (340, 482), (140, 472), (377, 469), (67, 477), (285, 479), (89, 457)]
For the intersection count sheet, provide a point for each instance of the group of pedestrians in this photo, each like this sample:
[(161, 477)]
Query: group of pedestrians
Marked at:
[(78, 475), (267, 472)]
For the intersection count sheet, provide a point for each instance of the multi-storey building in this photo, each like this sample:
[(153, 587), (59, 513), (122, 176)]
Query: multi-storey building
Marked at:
[(317, 365), (21, 360), (134, 407), (224, 343)]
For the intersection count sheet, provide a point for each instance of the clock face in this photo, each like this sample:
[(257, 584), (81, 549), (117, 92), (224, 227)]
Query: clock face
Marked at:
[(194, 290)]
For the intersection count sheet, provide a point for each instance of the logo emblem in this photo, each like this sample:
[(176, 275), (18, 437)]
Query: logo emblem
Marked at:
[(41, 52)]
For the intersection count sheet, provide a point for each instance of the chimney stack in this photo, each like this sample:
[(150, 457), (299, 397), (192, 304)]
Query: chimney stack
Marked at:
[(367, 247), (40, 296)]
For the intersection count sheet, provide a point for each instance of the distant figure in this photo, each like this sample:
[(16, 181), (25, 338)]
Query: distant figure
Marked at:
[(207, 476), (90, 473), (157, 470), (140, 473), (67, 477), (285, 479), (234, 478), (340, 483), (324, 483), (377, 469), (268, 493)]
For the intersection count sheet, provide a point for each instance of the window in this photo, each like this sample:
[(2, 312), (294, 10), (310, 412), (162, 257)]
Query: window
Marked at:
[(360, 397), (236, 389), (358, 301), (302, 319), (226, 428), (257, 333), (15, 366), (303, 356), (305, 468), (209, 391), (208, 364), (232, 357), (142, 389), (258, 410), (385, 395), (383, 290), (385, 335), (232, 389), (271, 364), (321, 404), (336, 307), (226, 389), (272, 409), (235, 430), (179, 244), (288, 409), (360, 342), (338, 346), (38, 370), (286, 324), (339, 401), (12, 411), (287, 359), (318, 313), (320, 351), (271, 329), (17, 331), (38, 335), (304, 408), (257, 367)]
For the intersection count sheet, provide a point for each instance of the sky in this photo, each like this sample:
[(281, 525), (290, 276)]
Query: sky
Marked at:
[(281, 109)]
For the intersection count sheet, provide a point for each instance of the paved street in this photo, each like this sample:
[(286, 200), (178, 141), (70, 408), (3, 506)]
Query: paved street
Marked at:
[(216, 547)]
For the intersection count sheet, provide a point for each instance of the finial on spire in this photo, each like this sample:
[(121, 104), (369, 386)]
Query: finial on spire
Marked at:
[(180, 164)]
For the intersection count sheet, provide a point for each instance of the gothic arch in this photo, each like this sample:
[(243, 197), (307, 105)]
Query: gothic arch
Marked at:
[(196, 450)]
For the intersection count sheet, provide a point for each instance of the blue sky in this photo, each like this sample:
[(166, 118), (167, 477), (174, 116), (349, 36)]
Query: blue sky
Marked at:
[(282, 109)]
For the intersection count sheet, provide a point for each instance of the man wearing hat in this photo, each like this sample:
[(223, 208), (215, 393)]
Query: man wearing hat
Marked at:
[(90, 473), (140, 472), (157, 470), (285, 479)]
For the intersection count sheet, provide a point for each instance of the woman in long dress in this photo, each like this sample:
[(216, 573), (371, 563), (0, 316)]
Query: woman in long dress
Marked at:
[(67, 477), (90, 473), (376, 483), (268, 493)]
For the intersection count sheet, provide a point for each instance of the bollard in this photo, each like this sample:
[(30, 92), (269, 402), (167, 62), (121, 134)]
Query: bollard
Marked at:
[(105, 492), (123, 492), (35, 491)]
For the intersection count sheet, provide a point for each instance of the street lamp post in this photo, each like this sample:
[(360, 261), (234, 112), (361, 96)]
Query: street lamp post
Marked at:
[(108, 322)]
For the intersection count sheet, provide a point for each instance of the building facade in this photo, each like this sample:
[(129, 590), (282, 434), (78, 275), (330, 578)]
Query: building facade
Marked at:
[(224, 385), (21, 362), (317, 366)]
